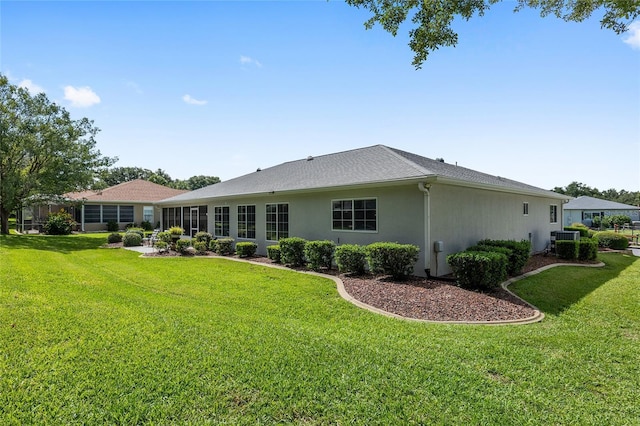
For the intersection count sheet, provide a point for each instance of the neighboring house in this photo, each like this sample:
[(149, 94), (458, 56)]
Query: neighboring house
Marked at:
[(584, 209), (371, 194), (125, 203)]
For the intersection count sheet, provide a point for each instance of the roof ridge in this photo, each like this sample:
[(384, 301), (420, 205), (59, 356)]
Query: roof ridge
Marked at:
[(393, 151)]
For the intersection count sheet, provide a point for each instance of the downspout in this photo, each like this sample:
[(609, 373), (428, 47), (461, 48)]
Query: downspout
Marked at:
[(427, 227), (82, 218)]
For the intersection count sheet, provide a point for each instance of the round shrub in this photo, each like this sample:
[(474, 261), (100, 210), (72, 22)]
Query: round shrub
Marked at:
[(131, 239), (319, 254), (114, 238), (201, 247), (292, 251), (182, 244), (392, 259), (146, 225), (161, 246), (176, 230), (588, 249), (138, 231), (273, 253), (60, 223), (112, 226), (478, 269), (350, 258), (204, 237), (223, 246), (612, 240), (164, 237), (246, 249)]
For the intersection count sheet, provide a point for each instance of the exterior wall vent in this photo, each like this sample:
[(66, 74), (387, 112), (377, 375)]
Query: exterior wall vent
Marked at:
[(309, 158)]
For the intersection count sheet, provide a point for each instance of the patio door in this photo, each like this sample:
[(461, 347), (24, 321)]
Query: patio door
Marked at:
[(194, 221)]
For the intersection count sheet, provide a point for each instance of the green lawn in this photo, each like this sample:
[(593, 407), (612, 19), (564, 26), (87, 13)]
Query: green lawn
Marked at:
[(101, 336)]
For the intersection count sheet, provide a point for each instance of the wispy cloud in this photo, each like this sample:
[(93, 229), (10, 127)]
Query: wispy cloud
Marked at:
[(633, 35), (81, 97), (33, 88), (192, 101), (246, 60)]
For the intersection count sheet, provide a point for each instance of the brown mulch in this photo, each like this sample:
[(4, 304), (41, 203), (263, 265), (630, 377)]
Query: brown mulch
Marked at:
[(429, 298)]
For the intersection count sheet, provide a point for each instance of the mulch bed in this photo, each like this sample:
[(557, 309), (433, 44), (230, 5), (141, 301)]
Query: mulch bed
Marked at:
[(429, 299)]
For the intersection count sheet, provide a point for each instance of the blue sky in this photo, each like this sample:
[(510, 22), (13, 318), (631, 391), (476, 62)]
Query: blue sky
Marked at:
[(222, 88)]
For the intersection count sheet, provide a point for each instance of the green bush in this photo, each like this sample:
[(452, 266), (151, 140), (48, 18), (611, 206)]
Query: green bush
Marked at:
[(175, 230), (521, 251), (619, 219), (114, 237), (182, 245), (392, 259), (612, 240), (112, 226), (138, 231), (246, 248), (511, 268), (161, 246), (584, 231), (223, 246), (588, 249), (131, 239), (60, 223), (165, 237), (350, 258), (292, 251), (273, 253), (146, 225), (200, 247), (479, 269), (319, 254), (567, 249), (203, 236)]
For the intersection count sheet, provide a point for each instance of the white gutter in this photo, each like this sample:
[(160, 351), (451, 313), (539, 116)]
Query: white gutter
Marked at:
[(427, 226)]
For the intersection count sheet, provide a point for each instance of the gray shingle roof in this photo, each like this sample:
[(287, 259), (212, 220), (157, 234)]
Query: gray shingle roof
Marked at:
[(590, 203), (370, 165)]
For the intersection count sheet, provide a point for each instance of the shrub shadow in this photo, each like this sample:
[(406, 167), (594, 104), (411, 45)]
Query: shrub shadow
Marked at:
[(57, 243)]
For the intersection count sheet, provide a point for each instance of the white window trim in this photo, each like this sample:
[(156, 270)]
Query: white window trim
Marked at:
[(255, 222), (525, 208), (214, 221), (265, 219), (556, 221), (359, 231)]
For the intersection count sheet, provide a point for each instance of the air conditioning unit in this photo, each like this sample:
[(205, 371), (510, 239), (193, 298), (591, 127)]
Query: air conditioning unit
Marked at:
[(563, 235)]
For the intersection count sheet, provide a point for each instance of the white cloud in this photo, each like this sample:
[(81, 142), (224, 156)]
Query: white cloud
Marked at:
[(246, 60), (192, 101), (81, 97), (633, 35), (33, 88)]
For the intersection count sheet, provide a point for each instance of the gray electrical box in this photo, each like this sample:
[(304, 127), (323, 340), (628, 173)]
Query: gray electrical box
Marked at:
[(438, 246)]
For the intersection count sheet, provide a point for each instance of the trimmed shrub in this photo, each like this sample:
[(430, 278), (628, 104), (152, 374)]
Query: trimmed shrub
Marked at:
[(498, 249), (164, 237), (292, 251), (203, 236), (131, 239), (60, 223), (161, 246), (350, 258), (201, 247), (182, 244), (567, 249), (392, 259), (138, 231), (246, 248), (146, 225), (478, 269), (521, 250), (612, 240), (223, 246), (584, 231), (273, 253), (112, 226), (114, 237), (175, 230), (319, 254), (588, 249)]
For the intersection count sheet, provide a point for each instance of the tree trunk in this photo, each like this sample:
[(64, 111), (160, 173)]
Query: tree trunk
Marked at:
[(4, 221)]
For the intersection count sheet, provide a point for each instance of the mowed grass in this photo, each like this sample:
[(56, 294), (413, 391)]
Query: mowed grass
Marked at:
[(102, 336)]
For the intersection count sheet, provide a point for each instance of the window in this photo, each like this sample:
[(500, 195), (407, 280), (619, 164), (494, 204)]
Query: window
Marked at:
[(247, 222), (355, 215), (221, 221), (171, 217), (126, 214), (277, 222), (147, 213), (525, 209), (92, 214), (553, 213), (109, 213)]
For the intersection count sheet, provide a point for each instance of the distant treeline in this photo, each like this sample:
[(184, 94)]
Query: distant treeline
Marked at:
[(117, 175), (577, 189)]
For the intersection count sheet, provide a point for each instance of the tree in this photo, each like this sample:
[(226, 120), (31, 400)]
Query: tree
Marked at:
[(432, 18), (577, 189), (200, 181), (42, 150)]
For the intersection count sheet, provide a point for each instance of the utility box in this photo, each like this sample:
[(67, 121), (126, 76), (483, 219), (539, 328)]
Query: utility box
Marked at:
[(563, 236), (438, 246)]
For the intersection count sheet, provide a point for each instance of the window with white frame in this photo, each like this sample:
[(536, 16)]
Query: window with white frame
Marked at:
[(147, 213), (247, 222), (221, 221), (355, 215), (277, 221), (553, 213), (525, 208)]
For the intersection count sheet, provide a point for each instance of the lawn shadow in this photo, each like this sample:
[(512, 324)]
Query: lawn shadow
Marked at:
[(57, 243), (557, 289)]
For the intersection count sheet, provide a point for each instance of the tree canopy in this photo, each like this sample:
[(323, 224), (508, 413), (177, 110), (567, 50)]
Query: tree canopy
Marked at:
[(578, 189), (432, 18), (42, 150), (117, 175)]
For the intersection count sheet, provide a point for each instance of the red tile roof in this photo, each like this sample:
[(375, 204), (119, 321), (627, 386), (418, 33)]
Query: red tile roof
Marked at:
[(135, 191)]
